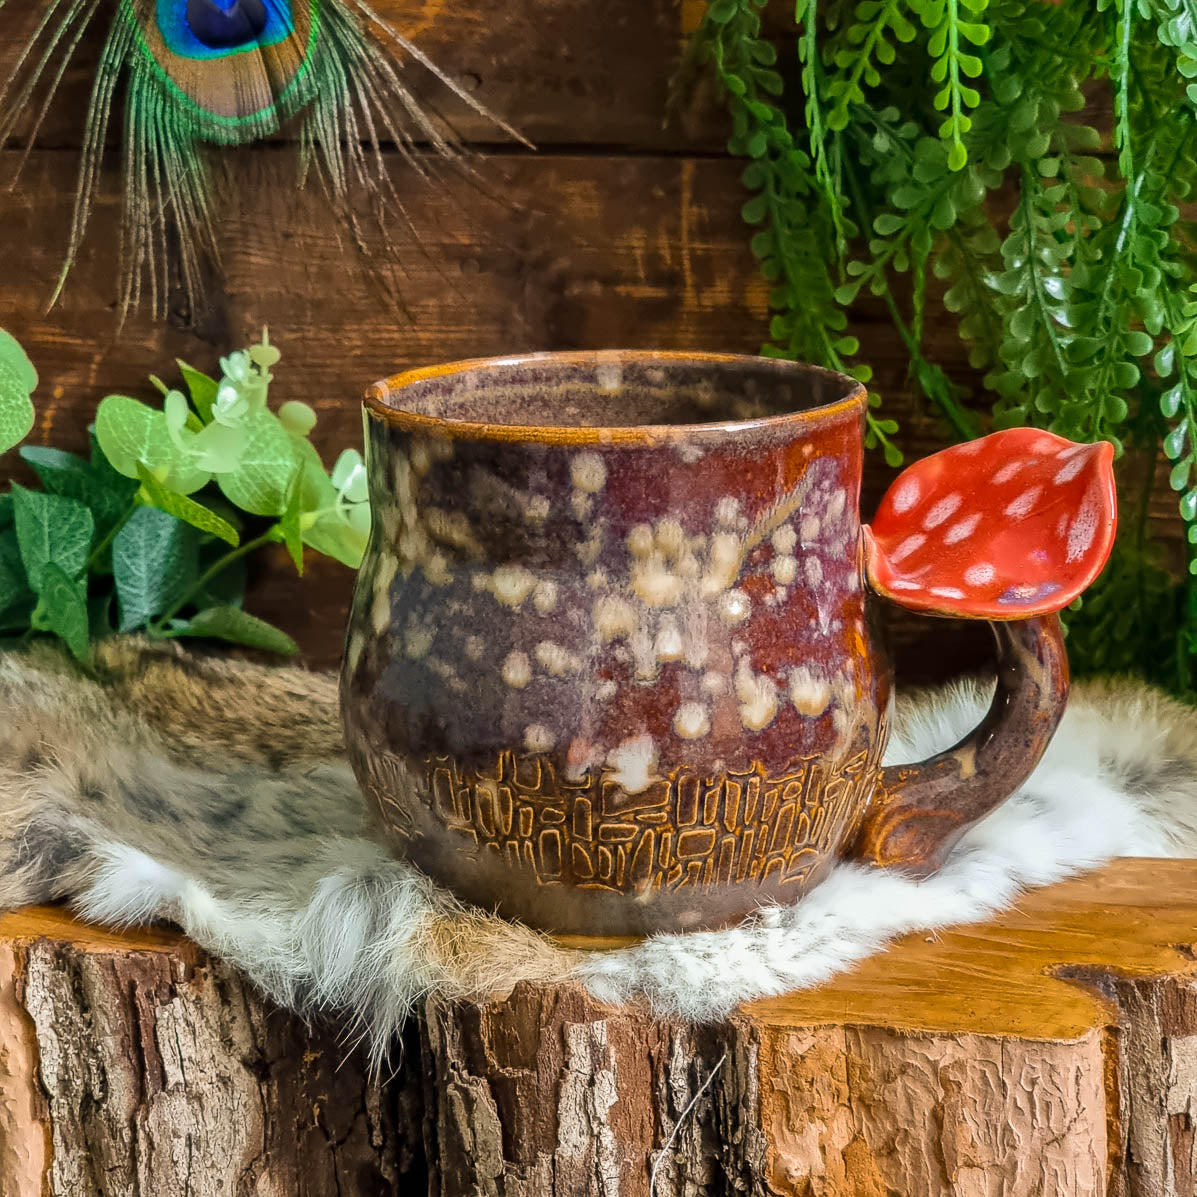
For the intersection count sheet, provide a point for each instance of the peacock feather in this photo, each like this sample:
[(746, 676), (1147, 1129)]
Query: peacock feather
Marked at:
[(199, 74)]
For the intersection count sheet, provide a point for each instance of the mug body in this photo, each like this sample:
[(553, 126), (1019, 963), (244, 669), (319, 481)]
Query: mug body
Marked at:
[(609, 667)]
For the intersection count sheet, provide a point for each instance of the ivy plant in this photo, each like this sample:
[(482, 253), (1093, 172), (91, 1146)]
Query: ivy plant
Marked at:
[(935, 157), (150, 532)]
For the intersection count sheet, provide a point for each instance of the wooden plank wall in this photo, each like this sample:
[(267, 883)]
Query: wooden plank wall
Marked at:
[(616, 231)]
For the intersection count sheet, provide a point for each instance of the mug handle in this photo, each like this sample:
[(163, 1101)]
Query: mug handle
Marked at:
[(1008, 528), (919, 811)]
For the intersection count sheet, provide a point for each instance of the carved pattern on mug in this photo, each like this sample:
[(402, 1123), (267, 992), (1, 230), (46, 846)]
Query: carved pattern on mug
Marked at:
[(683, 830)]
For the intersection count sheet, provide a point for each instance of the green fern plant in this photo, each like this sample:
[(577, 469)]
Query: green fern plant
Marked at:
[(935, 155)]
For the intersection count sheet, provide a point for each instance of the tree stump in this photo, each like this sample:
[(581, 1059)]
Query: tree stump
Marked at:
[(1050, 1051), (132, 1064)]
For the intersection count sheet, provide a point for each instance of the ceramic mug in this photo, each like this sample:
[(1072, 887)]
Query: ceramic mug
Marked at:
[(612, 667)]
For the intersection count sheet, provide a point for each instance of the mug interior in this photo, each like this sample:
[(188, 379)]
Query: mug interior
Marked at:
[(612, 390)]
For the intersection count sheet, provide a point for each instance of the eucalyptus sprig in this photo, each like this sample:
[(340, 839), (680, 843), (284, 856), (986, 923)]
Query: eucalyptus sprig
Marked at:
[(151, 532), (934, 155)]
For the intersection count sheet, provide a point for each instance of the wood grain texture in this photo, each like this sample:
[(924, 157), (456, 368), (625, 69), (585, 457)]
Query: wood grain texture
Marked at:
[(1048, 1051), (563, 72), (630, 251)]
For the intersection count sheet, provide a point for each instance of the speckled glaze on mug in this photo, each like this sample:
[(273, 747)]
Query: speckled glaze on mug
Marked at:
[(610, 666)]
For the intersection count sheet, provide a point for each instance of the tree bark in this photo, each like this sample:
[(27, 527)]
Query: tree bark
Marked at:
[(134, 1065), (1051, 1051)]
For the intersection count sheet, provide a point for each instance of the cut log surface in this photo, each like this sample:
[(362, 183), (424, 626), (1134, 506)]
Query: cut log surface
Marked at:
[(1050, 1051)]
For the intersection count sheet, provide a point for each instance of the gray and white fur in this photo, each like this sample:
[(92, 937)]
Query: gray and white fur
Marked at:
[(215, 794)]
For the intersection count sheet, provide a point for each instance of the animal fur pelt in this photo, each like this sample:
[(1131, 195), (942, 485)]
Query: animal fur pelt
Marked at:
[(214, 794)]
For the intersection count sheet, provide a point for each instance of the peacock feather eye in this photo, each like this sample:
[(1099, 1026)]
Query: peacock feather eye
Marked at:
[(236, 67), (226, 24), (200, 73)]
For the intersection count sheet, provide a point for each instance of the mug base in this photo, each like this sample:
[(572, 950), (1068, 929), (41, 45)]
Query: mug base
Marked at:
[(594, 918)]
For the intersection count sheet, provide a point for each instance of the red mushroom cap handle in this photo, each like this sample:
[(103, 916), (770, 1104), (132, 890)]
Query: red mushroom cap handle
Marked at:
[(1011, 528)]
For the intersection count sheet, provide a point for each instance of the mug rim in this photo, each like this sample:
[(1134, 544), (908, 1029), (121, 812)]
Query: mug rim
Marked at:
[(380, 396)]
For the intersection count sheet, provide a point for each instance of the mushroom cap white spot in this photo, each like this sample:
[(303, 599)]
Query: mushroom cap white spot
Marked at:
[(357, 645), (670, 537), (655, 583), (962, 529), (1070, 470), (944, 509), (723, 563), (380, 615), (1024, 503), (418, 641), (669, 645), (979, 574), (1082, 530), (388, 566), (1008, 471), (909, 545), (907, 495)]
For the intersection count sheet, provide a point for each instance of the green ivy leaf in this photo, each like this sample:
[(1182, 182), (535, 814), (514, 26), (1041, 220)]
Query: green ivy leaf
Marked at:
[(185, 509), (129, 432), (51, 528), (63, 604), (155, 559), (259, 483), (104, 491), (238, 627), (16, 598), (18, 381)]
